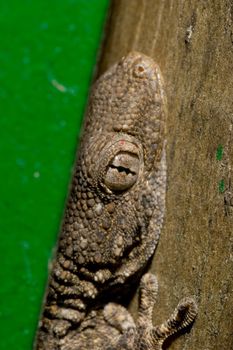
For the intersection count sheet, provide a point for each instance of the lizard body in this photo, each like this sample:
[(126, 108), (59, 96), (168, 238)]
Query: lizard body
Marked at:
[(113, 219)]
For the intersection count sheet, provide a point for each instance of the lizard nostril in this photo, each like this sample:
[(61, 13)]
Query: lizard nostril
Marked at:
[(122, 171)]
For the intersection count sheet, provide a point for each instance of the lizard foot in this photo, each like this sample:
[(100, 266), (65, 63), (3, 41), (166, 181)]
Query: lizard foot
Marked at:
[(143, 335)]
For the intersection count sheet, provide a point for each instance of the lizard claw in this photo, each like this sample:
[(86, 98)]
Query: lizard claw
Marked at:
[(183, 315), (144, 335)]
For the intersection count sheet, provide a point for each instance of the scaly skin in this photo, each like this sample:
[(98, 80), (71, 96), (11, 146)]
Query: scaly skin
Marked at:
[(113, 218)]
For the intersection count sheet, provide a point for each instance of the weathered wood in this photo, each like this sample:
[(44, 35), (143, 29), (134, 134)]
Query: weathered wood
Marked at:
[(192, 41)]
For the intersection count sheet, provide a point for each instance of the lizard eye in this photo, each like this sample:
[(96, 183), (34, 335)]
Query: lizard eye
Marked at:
[(122, 171)]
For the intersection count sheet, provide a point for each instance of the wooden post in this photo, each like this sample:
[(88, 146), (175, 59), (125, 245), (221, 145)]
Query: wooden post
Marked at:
[(192, 41)]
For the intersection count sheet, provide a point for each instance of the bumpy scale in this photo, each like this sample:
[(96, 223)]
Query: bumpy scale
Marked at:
[(113, 219)]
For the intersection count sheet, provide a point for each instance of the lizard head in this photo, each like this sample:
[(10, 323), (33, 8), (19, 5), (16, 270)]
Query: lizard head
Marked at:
[(118, 186)]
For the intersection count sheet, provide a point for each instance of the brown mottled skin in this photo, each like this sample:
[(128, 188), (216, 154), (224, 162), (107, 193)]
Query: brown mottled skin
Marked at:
[(113, 220)]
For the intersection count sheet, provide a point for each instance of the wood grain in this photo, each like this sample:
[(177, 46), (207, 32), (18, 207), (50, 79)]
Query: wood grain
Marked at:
[(192, 41)]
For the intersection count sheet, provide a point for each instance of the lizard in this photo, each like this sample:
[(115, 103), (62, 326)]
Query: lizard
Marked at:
[(113, 220)]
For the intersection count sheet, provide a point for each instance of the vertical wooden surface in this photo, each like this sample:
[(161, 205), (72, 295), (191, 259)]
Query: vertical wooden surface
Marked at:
[(192, 41)]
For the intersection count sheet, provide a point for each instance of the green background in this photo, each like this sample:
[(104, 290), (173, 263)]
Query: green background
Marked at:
[(47, 53)]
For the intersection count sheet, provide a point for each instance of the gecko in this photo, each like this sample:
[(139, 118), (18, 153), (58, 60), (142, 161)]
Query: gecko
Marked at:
[(113, 220)]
